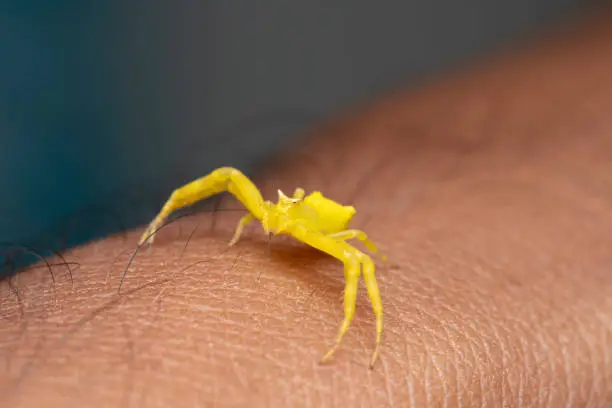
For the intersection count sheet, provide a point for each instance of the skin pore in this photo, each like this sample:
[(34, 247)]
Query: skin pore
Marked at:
[(489, 190)]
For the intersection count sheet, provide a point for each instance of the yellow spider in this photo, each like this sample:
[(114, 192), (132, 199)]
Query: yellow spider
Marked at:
[(314, 219)]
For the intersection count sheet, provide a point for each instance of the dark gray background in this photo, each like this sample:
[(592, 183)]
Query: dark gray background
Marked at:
[(107, 106)]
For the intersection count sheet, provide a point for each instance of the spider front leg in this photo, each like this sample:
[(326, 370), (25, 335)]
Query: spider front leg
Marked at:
[(244, 221), (353, 260), (220, 180)]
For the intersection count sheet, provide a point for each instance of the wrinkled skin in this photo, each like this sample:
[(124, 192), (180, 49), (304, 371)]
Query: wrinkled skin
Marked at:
[(491, 192)]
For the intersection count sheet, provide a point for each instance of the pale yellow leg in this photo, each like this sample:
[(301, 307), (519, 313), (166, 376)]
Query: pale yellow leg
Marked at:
[(220, 180), (353, 261), (374, 295), (361, 236), (351, 273), (244, 221)]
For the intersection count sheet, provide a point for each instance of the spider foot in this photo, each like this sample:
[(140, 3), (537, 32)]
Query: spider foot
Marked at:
[(148, 236), (375, 355), (342, 332), (232, 242), (328, 355)]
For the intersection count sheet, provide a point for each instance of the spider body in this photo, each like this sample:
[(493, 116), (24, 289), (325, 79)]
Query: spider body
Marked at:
[(313, 219)]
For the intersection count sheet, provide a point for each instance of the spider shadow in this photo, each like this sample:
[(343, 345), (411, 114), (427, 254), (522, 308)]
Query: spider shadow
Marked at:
[(309, 264), (313, 268)]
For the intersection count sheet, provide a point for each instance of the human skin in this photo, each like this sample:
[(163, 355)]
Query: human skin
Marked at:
[(491, 192)]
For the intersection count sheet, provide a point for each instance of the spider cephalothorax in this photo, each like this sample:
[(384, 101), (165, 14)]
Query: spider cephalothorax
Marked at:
[(326, 215), (313, 219)]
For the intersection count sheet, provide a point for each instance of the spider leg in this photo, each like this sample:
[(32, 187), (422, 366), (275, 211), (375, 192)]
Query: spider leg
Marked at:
[(244, 221), (374, 294), (221, 180), (361, 236), (353, 261)]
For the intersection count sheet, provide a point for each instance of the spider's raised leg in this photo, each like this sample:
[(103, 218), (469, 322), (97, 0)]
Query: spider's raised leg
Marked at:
[(361, 236), (353, 261), (221, 180)]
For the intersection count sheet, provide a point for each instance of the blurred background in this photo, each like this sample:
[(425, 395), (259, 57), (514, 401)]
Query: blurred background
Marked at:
[(107, 106)]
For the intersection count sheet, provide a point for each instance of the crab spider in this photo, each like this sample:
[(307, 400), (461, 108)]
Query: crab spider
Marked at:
[(313, 219)]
